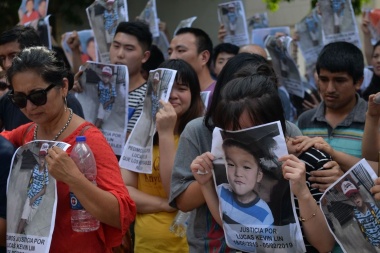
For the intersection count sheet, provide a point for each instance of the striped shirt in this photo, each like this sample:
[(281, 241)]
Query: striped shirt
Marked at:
[(346, 136), (135, 105)]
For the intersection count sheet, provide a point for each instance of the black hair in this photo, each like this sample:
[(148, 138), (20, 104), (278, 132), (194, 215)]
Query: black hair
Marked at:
[(26, 36), (186, 75), (204, 42), (341, 57), (42, 61), (138, 29), (228, 73), (255, 94), (224, 48), (155, 59)]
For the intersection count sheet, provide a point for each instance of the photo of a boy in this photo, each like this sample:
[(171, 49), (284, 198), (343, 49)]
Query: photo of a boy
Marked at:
[(366, 214), (111, 18), (239, 201), (39, 179), (106, 94)]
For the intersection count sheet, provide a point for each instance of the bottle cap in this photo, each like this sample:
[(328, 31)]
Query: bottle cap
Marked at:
[(80, 138)]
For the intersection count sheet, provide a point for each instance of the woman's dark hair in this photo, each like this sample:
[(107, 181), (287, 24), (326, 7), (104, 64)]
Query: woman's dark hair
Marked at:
[(186, 75), (42, 61), (251, 61), (255, 94)]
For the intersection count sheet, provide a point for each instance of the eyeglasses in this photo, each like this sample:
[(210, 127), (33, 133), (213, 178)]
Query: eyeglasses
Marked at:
[(38, 97)]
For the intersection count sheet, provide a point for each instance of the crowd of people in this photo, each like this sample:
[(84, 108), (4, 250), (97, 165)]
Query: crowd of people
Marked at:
[(136, 210)]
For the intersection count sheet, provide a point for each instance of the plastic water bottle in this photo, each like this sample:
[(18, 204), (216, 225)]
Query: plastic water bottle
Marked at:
[(179, 224), (81, 220)]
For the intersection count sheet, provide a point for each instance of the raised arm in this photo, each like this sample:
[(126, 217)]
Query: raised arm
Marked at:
[(313, 221), (366, 38), (202, 168), (371, 136)]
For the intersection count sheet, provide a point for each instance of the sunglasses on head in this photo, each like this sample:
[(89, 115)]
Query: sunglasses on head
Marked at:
[(38, 97)]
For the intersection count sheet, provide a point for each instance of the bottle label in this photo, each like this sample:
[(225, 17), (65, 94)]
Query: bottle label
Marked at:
[(74, 202)]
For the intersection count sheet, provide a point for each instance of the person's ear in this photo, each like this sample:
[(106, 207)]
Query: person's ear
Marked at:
[(359, 83), (145, 56), (259, 175), (65, 87), (205, 56)]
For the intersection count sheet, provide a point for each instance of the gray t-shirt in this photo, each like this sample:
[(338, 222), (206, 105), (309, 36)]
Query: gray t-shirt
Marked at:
[(203, 232)]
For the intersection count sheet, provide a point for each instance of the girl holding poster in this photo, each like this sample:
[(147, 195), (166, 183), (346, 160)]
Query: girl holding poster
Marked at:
[(150, 191), (239, 104)]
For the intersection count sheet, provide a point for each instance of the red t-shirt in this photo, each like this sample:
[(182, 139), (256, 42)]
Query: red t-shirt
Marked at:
[(108, 178)]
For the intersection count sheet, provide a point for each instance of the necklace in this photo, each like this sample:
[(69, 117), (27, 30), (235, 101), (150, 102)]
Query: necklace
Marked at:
[(60, 132)]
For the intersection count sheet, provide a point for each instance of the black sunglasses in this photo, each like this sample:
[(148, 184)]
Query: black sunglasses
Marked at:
[(38, 97)]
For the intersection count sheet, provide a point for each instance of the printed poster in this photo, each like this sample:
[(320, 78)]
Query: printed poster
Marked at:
[(137, 153), (258, 20), (338, 22), (373, 15), (105, 100), (284, 65), (42, 26), (31, 10), (87, 46), (232, 16), (149, 16), (205, 96), (260, 34), (185, 23), (31, 199), (255, 202), (351, 212), (309, 31), (162, 43), (104, 16)]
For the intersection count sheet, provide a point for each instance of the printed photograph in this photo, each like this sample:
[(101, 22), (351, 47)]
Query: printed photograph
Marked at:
[(352, 213)]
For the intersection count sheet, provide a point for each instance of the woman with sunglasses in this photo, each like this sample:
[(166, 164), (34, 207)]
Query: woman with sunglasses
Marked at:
[(39, 87)]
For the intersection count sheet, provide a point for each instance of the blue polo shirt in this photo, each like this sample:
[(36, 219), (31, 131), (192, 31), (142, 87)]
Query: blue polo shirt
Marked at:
[(346, 136)]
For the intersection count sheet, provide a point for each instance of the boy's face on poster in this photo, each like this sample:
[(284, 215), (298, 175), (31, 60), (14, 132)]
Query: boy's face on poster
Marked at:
[(106, 79), (42, 8), (126, 50), (243, 172), (180, 98), (337, 89), (29, 6), (357, 199)]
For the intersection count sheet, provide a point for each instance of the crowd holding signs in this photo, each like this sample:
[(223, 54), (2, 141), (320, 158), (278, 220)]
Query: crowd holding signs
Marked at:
[(255, 202)]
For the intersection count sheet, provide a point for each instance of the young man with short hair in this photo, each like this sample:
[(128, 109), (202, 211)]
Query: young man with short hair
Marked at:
[(222, 53), (194, 46), (131, 47), (340, 118)]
